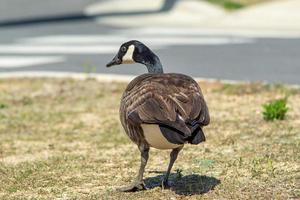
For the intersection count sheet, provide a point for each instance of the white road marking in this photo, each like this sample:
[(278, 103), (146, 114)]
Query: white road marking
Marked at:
[(74, 75), (58, 49), (247, 33), (156, 38), (195, 41), (75, 39), (22, 61), (171, 31), (153, 40)]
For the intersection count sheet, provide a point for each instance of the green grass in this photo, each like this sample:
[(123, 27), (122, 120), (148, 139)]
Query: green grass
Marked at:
[(62, 139), (228, 4), (235, 4)]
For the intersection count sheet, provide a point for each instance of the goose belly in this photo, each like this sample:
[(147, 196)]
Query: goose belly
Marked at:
[(155, 138)]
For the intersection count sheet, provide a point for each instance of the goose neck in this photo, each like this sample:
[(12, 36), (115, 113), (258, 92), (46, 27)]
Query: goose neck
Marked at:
[(155, 66)]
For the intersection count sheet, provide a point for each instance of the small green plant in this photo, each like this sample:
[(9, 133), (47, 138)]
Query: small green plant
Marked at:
[(228, 4), (179, 173), (263, 166), (275, 109), (89, 68), (3, 106)]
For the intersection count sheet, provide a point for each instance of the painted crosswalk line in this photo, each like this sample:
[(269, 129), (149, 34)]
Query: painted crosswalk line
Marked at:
[(22, 61), (48, 49), (58, 49), (155, 41)]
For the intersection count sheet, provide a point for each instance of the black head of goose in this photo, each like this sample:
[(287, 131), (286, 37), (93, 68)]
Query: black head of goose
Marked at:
[(160, 110)]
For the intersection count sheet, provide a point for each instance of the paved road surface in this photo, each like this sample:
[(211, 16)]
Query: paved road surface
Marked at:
[(84, 46), (25, 9)]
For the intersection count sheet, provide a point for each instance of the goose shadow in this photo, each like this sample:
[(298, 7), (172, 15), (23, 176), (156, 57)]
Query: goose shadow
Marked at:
[(186, 185)]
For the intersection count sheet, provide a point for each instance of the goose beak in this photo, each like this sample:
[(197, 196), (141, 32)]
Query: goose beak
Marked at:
[(115, 61)]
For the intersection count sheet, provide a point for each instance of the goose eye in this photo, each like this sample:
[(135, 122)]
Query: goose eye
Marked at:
[(123, 49)]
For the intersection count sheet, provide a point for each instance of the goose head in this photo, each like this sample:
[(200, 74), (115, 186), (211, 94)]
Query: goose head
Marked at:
[(136, 52)]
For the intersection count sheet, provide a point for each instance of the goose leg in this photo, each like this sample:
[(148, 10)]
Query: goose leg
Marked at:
[(138, 184), (173, 157)]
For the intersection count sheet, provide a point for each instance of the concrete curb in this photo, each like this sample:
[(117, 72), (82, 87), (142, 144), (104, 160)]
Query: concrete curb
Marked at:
[(108, 77), (72, 75)]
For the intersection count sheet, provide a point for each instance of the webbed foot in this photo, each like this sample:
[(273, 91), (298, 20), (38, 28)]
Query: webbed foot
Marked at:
[(136, 186)]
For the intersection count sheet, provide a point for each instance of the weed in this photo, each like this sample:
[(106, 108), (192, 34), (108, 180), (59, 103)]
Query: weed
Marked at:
[(228, 4), (89, 68), (178, 173), (262, 166), (235, 4), (276, 109), (3, 105), (270, 168), (256, 168)]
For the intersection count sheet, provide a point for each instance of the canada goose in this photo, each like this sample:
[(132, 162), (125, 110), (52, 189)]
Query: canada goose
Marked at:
[(160, 110)]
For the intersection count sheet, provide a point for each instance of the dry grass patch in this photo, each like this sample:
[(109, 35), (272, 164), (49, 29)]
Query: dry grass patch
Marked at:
[(61, 139)]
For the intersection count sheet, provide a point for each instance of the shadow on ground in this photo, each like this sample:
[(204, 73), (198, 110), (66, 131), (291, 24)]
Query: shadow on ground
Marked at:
[(185, 185)]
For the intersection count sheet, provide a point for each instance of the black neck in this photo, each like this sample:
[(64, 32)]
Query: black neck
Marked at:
[(154, 66)]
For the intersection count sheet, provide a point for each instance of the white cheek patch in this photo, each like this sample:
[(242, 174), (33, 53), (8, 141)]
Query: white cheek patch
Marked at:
[(127, 58)]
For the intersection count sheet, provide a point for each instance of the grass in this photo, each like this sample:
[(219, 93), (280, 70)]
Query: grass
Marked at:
[(61, 139), (235, 4)]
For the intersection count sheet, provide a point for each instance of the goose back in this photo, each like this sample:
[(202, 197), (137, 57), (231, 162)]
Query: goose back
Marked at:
[(172, 100)]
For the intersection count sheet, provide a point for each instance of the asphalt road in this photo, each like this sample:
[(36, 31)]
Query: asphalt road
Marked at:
[(82, 45), (11, 10)]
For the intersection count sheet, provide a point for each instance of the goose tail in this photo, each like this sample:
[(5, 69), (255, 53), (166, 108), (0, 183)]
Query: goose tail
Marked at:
[(176, 137), (197, 136)]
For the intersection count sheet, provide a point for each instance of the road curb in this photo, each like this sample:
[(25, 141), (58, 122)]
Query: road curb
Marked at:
[(110, 77)]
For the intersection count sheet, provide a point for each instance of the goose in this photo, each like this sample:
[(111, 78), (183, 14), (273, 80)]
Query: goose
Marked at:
[(159, 110)]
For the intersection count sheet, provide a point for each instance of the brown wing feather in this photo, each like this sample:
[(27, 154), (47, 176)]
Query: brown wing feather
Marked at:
[(169, 99)]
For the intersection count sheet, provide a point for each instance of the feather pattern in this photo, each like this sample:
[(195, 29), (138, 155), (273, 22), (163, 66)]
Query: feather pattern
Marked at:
[(173, 100)]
